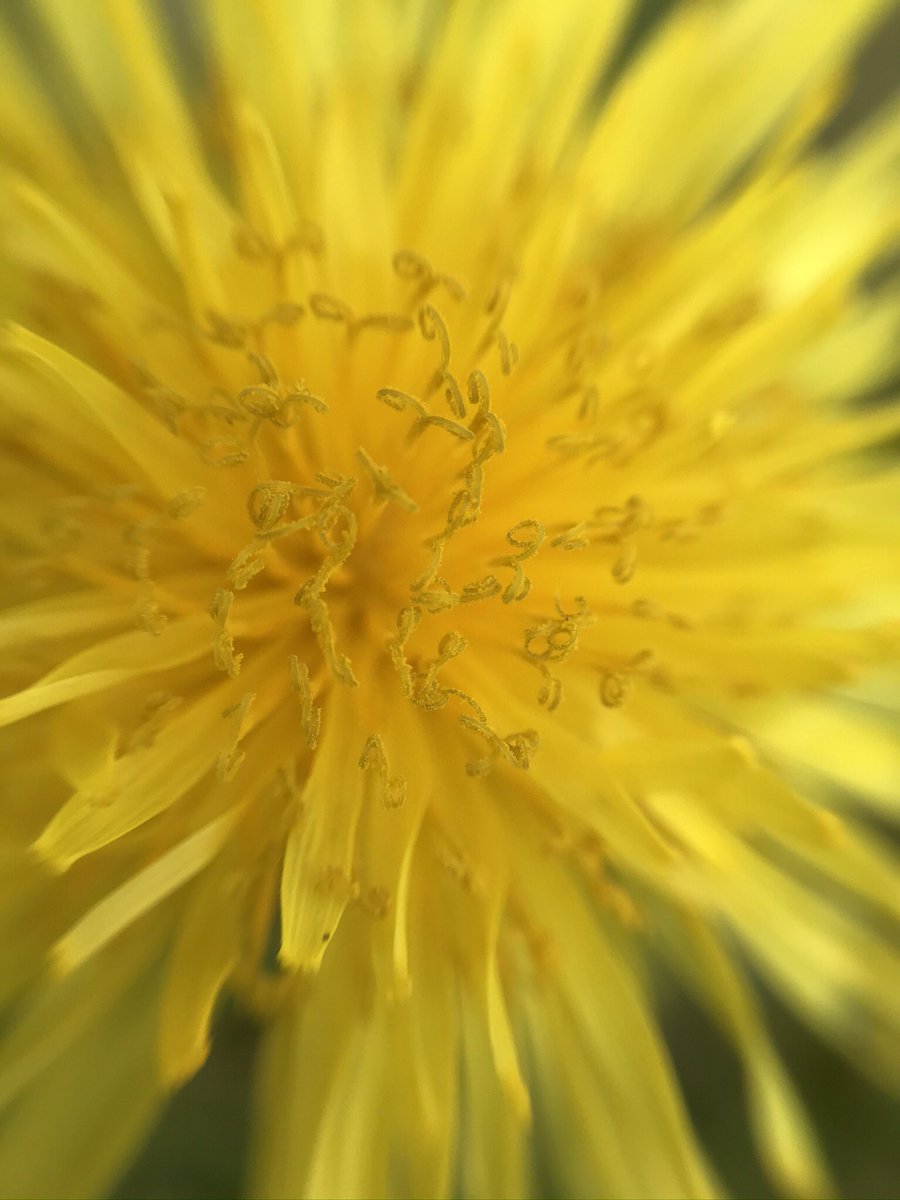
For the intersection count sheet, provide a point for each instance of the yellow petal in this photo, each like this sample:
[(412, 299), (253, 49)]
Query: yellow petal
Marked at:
[(787, 1142), (317, 880), (205, 952), (141, 892)]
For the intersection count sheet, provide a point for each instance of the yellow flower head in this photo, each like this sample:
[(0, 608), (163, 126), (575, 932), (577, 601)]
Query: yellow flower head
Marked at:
[(444, 572)]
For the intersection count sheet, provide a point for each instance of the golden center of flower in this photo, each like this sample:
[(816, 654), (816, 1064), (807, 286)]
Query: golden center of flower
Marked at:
[(397, 515)]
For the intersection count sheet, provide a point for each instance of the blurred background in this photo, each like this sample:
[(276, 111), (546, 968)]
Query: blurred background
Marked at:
[(198, 1149)]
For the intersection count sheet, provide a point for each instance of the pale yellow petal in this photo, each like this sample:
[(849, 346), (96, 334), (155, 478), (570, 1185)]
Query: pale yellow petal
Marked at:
[(140, 892), (139, 784), (782, 1128), (205, 952), (86, 673), (720, 109), (317, 880)]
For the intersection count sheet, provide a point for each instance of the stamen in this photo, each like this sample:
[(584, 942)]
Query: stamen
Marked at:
[(590, 404), (339, 542), (452, 286), (323, 630), (521, 747), (498, 299), (167, 404), (495, 308), (589, 855), (334, 881), (267, 404), (223, 645), (266, 368), (551, 693), (540, 944), (252, 245), (330, 308), (413, 267), (463, 510), (140, 538), (440, 599), (422, 687), (453, 427), (637, 515), (557, 639), (268, 502), (479, 392), (467, 699), (553, 641), (400, 401), (437, 553), (643, 662), (575, 538), (614, 689), (516, 748), (456, 863), (453, 394), (376, 900), (647, 422), (465, 505), (615, 522), (493, 437), (483, 589), (407, 622), (592, 445), (429, 694), (245, 565), (229, 761), (585, 354), (385, 487), (230, 332), (624, 567), (374, 757), (582, 613), (147, 613), (644, 418), (287, 313), (509, 353), (310, 714), (158, 707), (185, 503), (235, 458), (433, 325), (486, 424), (520, 586), (646, 609), (271, 400), (388, 321)]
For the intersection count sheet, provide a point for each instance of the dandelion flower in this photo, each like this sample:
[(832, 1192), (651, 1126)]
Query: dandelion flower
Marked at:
[(446, 573)]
